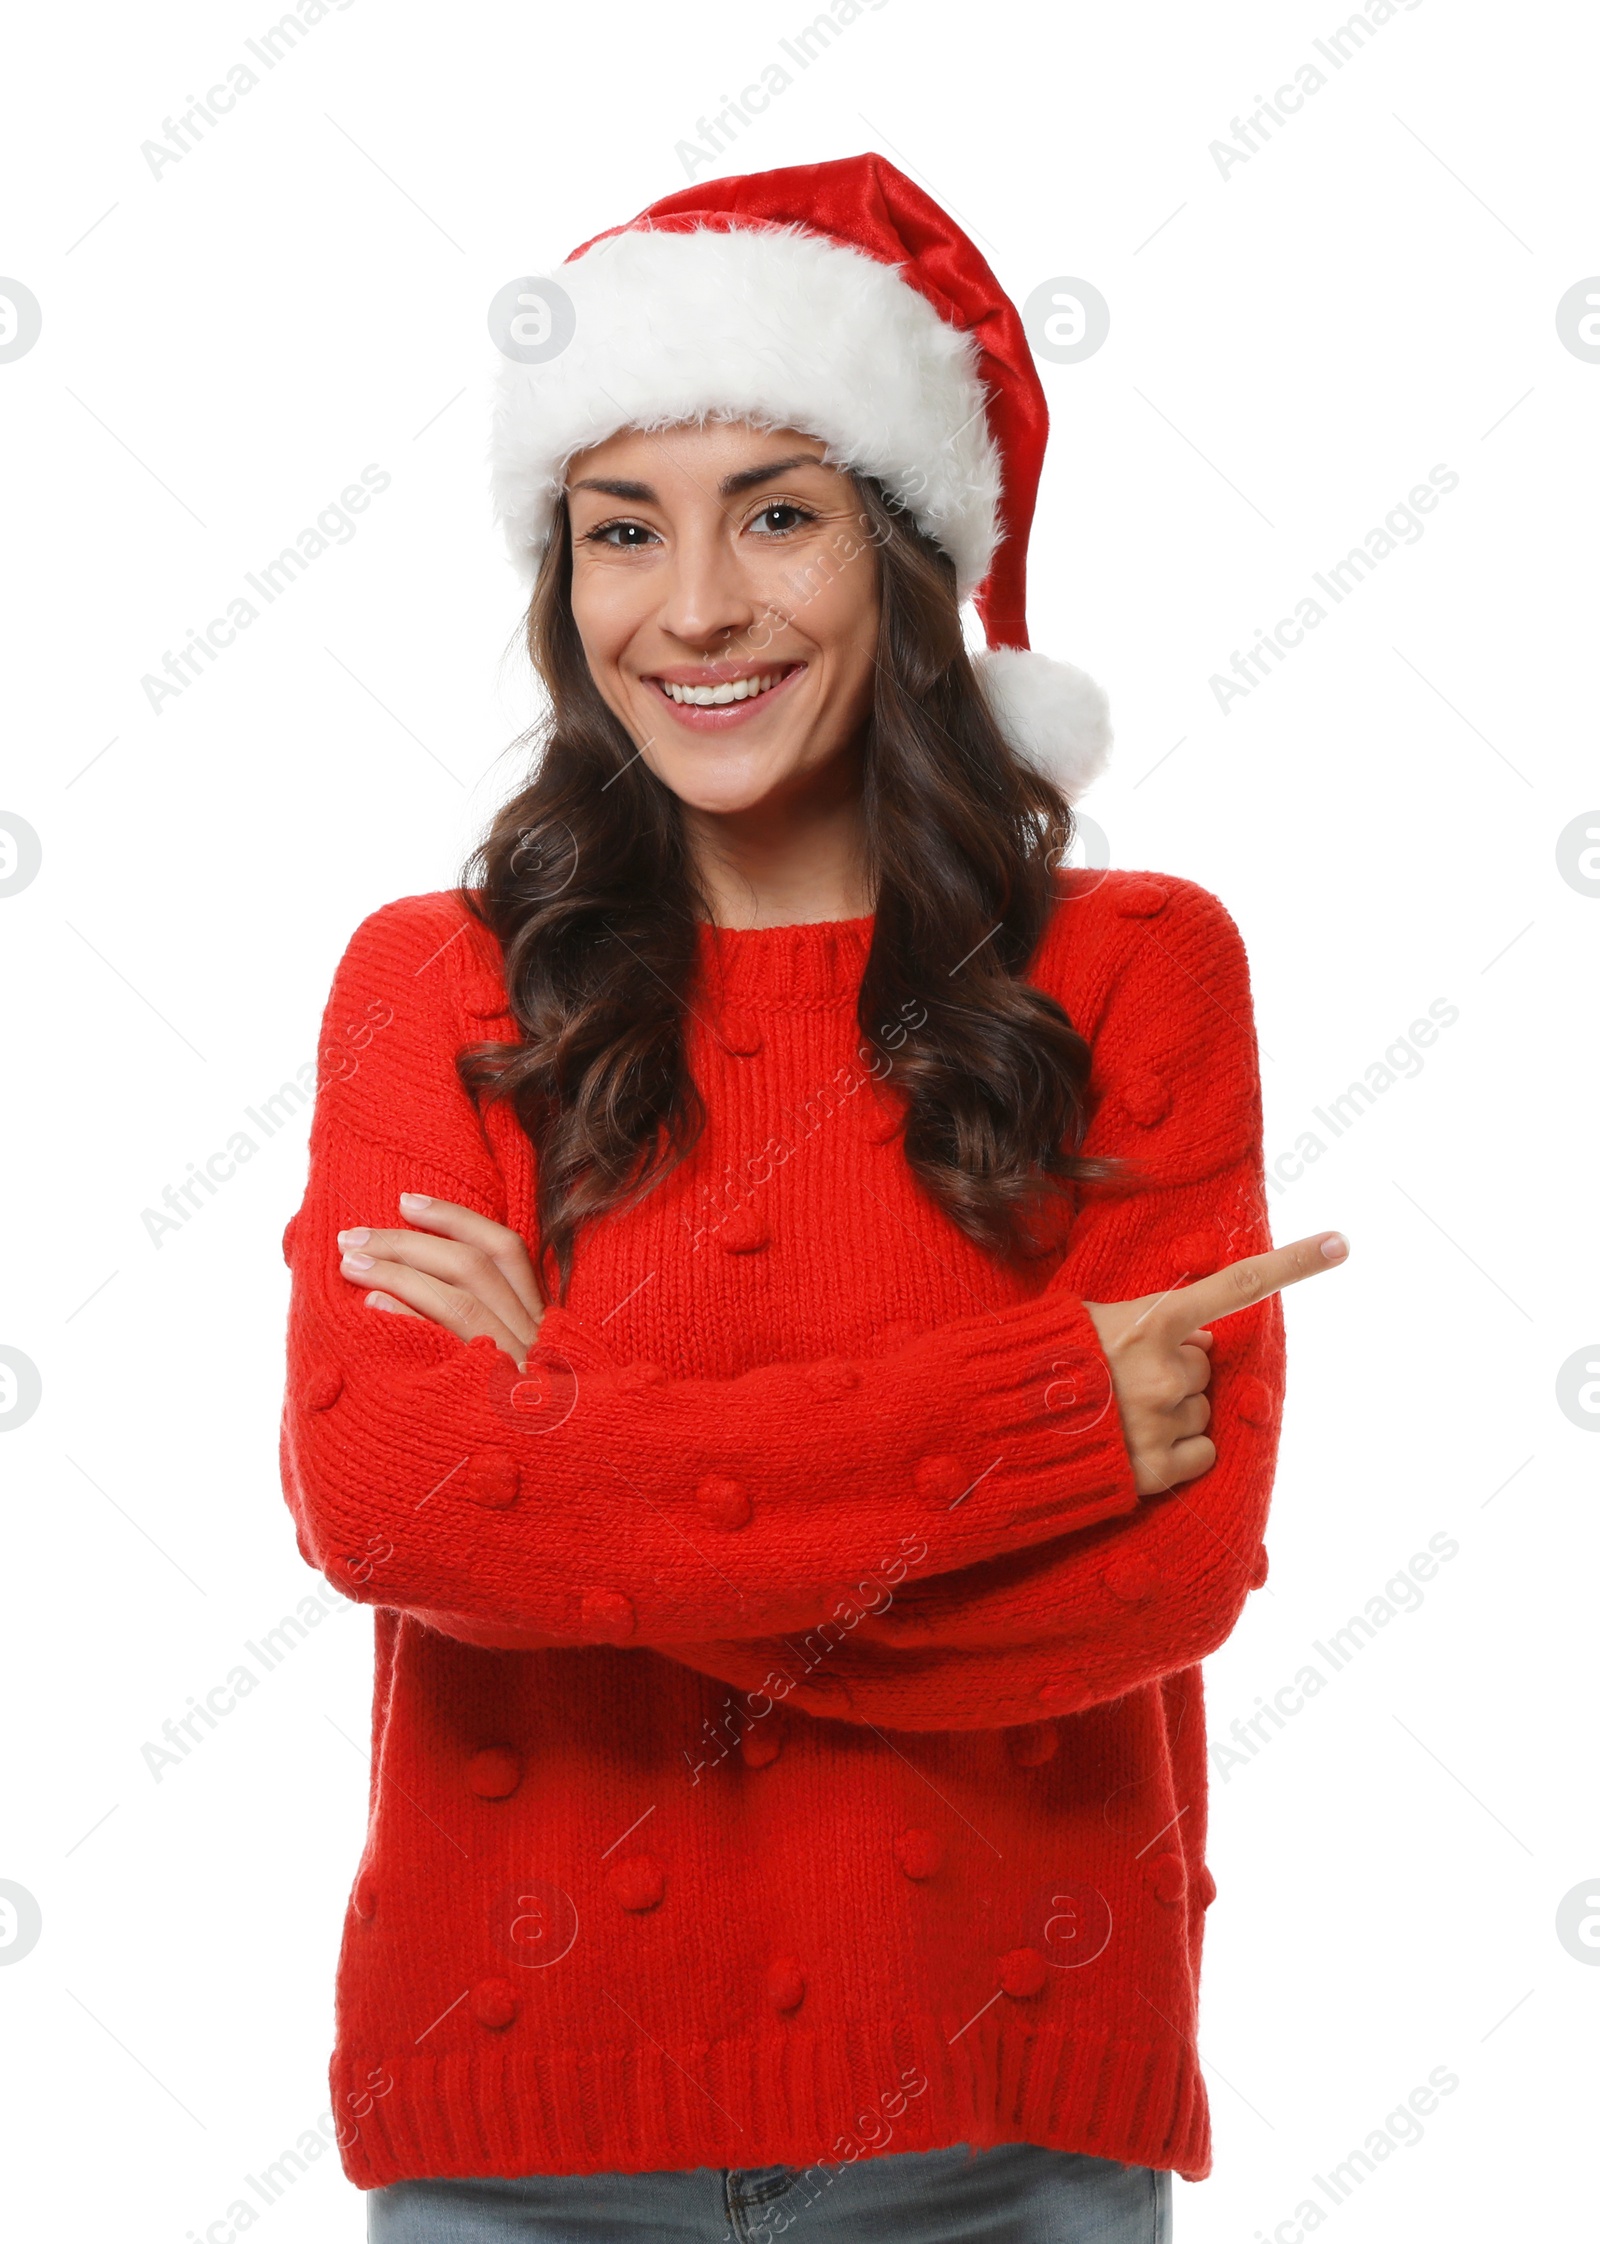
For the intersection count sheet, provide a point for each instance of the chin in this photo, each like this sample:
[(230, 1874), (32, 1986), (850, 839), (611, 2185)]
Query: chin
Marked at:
[(717, 794)]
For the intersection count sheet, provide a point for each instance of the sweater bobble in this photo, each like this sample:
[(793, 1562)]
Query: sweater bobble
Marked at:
[(1253, 1400), (1167, 1877), (323, 1386), (744, 1232), (831, 1378), (1148, 1098), (495, 1773), (1023, 1973), (607, 1616), (1131, 1577), (722, 1503), (919, 1852), (493, 2003), (489, 1477), (638, 1882), (786, 1984), (940, 1479)]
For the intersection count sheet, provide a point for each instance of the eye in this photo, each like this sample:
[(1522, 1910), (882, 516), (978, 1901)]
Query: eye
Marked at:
[(622, 537), (781, 516)]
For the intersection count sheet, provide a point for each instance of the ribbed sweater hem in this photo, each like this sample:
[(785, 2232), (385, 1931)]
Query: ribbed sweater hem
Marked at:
[(790, 2098)]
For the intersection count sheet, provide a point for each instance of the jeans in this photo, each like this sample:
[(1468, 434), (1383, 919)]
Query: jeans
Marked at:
[(1012, 2193)]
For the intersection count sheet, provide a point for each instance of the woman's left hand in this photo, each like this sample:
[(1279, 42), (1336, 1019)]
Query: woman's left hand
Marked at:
[(456, 1268)]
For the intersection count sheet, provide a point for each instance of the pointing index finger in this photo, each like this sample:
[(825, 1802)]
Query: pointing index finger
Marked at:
[(1251, 1280)]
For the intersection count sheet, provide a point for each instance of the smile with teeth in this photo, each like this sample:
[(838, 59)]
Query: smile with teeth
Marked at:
[(717, 697)]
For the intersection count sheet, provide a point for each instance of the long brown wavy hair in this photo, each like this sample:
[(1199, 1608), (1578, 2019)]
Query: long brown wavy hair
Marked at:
[(586, 880)]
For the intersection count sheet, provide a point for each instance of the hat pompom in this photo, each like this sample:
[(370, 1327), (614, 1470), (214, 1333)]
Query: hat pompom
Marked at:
[(1053, 714)]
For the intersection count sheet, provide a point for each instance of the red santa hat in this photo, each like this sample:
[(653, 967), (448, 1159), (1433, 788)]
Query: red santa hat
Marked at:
[(838, 299)]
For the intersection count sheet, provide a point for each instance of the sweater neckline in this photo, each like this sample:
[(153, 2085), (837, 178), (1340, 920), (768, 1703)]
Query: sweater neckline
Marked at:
[(809, 962)]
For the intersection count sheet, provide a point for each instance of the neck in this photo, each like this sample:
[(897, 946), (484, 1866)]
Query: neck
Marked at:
[(782, 863)]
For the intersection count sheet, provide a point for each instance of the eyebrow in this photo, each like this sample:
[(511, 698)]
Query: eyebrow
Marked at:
[(643, 494)]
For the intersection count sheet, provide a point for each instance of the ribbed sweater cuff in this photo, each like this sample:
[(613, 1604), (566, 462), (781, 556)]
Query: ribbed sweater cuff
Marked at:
[(1042, 1394)]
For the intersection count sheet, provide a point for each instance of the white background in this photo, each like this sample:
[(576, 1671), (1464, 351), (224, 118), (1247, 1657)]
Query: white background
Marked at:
[(1292, 347)]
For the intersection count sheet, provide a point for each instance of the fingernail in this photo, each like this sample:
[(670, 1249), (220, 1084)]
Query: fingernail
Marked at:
[(416, 1199), (358, 1262), (356, 1238), (1335, 1246)]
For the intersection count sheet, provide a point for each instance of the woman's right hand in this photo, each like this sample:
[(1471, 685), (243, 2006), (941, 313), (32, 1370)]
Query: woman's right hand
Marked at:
[(1157, 1347)]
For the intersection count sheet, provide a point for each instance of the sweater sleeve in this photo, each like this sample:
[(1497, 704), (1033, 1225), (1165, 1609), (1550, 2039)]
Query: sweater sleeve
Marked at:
[(1079, 1620), (581, 1500)]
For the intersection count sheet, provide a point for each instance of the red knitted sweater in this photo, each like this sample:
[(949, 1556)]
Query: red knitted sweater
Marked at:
[(787, 1732)]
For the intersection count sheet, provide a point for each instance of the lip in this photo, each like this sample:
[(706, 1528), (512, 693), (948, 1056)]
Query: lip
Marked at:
[(722, 674)]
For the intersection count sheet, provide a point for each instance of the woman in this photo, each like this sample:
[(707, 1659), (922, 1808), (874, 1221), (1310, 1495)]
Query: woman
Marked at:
[(750, 1333)]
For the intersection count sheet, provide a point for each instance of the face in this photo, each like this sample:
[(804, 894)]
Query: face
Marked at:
[(725, 588)]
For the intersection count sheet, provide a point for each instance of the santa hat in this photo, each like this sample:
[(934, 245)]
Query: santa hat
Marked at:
[(838, 299)]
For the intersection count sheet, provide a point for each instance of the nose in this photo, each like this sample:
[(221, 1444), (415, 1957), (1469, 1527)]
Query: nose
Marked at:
[(706, 599)]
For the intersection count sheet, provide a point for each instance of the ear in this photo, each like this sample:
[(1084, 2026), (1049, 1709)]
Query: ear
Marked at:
[(1054, 715)]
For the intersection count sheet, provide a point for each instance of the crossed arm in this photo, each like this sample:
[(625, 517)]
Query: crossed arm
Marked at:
[(714, 1519)]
